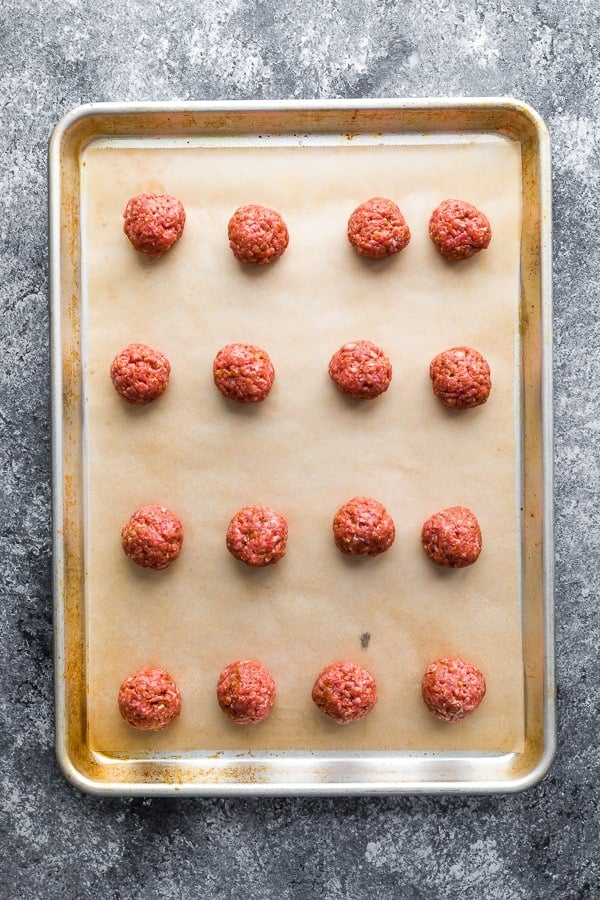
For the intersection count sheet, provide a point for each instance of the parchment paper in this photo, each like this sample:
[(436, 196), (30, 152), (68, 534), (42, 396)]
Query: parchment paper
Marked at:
[(307, 449)]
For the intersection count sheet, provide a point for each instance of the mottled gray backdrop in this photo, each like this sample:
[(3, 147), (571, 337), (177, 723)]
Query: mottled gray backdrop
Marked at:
[(58, 843)]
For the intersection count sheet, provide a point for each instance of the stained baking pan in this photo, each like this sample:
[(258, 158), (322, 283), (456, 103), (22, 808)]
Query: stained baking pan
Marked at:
[(306, 450)]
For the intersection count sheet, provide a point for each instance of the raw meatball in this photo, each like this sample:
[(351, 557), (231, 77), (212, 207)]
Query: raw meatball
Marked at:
[(452, 537), (140, 374), (257, 234), (257, 536), (378, 229), (452, 689), (149, 699), (152, 537), (243, 372), (153, 222), (363, 527), (460, 377), (361, 369), (459, 230), (246, 692), (345, 692)]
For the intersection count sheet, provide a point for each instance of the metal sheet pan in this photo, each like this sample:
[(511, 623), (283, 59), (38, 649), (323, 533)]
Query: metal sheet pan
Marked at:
[(294, 771)]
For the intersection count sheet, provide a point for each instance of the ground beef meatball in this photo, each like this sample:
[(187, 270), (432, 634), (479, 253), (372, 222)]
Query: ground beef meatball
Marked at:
[(140, 374), (452, 537), (363, 527), (378, 229), (243, 372), (152, 537), (153, 222), (246, 692), (459, 230), (149, 699), (257, 536), (345, 692), (257, 235), (452, 688), (460, 377), (361, 369)]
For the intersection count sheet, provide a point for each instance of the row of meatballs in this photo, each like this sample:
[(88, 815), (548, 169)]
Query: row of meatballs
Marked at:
[(259, 235), (257, 535), (244, 373), (150, 700)]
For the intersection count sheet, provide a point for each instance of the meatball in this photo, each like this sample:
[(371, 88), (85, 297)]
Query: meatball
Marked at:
[(460, 377), (378, 229), (452, 688), (140, 374), (363, 527), (361, 369), (243, 372), (459, 230), (257, 235), (149, 699), (452, 537), (152, 537), (257, 536), (246, 692), (345, 692), (153, 222)]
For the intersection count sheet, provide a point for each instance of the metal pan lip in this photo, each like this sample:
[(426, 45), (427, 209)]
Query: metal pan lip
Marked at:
[(192, 788), (231, 106)]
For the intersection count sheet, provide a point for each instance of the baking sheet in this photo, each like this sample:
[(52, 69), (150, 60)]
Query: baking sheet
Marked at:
[(306, 449)]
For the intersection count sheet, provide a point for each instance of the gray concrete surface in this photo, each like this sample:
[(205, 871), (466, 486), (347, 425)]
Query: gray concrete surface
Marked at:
[(58, 843)]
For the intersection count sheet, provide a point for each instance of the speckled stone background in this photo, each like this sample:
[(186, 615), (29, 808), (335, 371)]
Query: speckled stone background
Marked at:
[(58, 843)]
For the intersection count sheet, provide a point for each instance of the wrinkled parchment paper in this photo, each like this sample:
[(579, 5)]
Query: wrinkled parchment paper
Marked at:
[(307, 449)]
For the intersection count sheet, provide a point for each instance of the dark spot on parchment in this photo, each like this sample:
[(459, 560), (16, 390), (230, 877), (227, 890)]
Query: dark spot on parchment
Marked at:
[(364, 639)]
